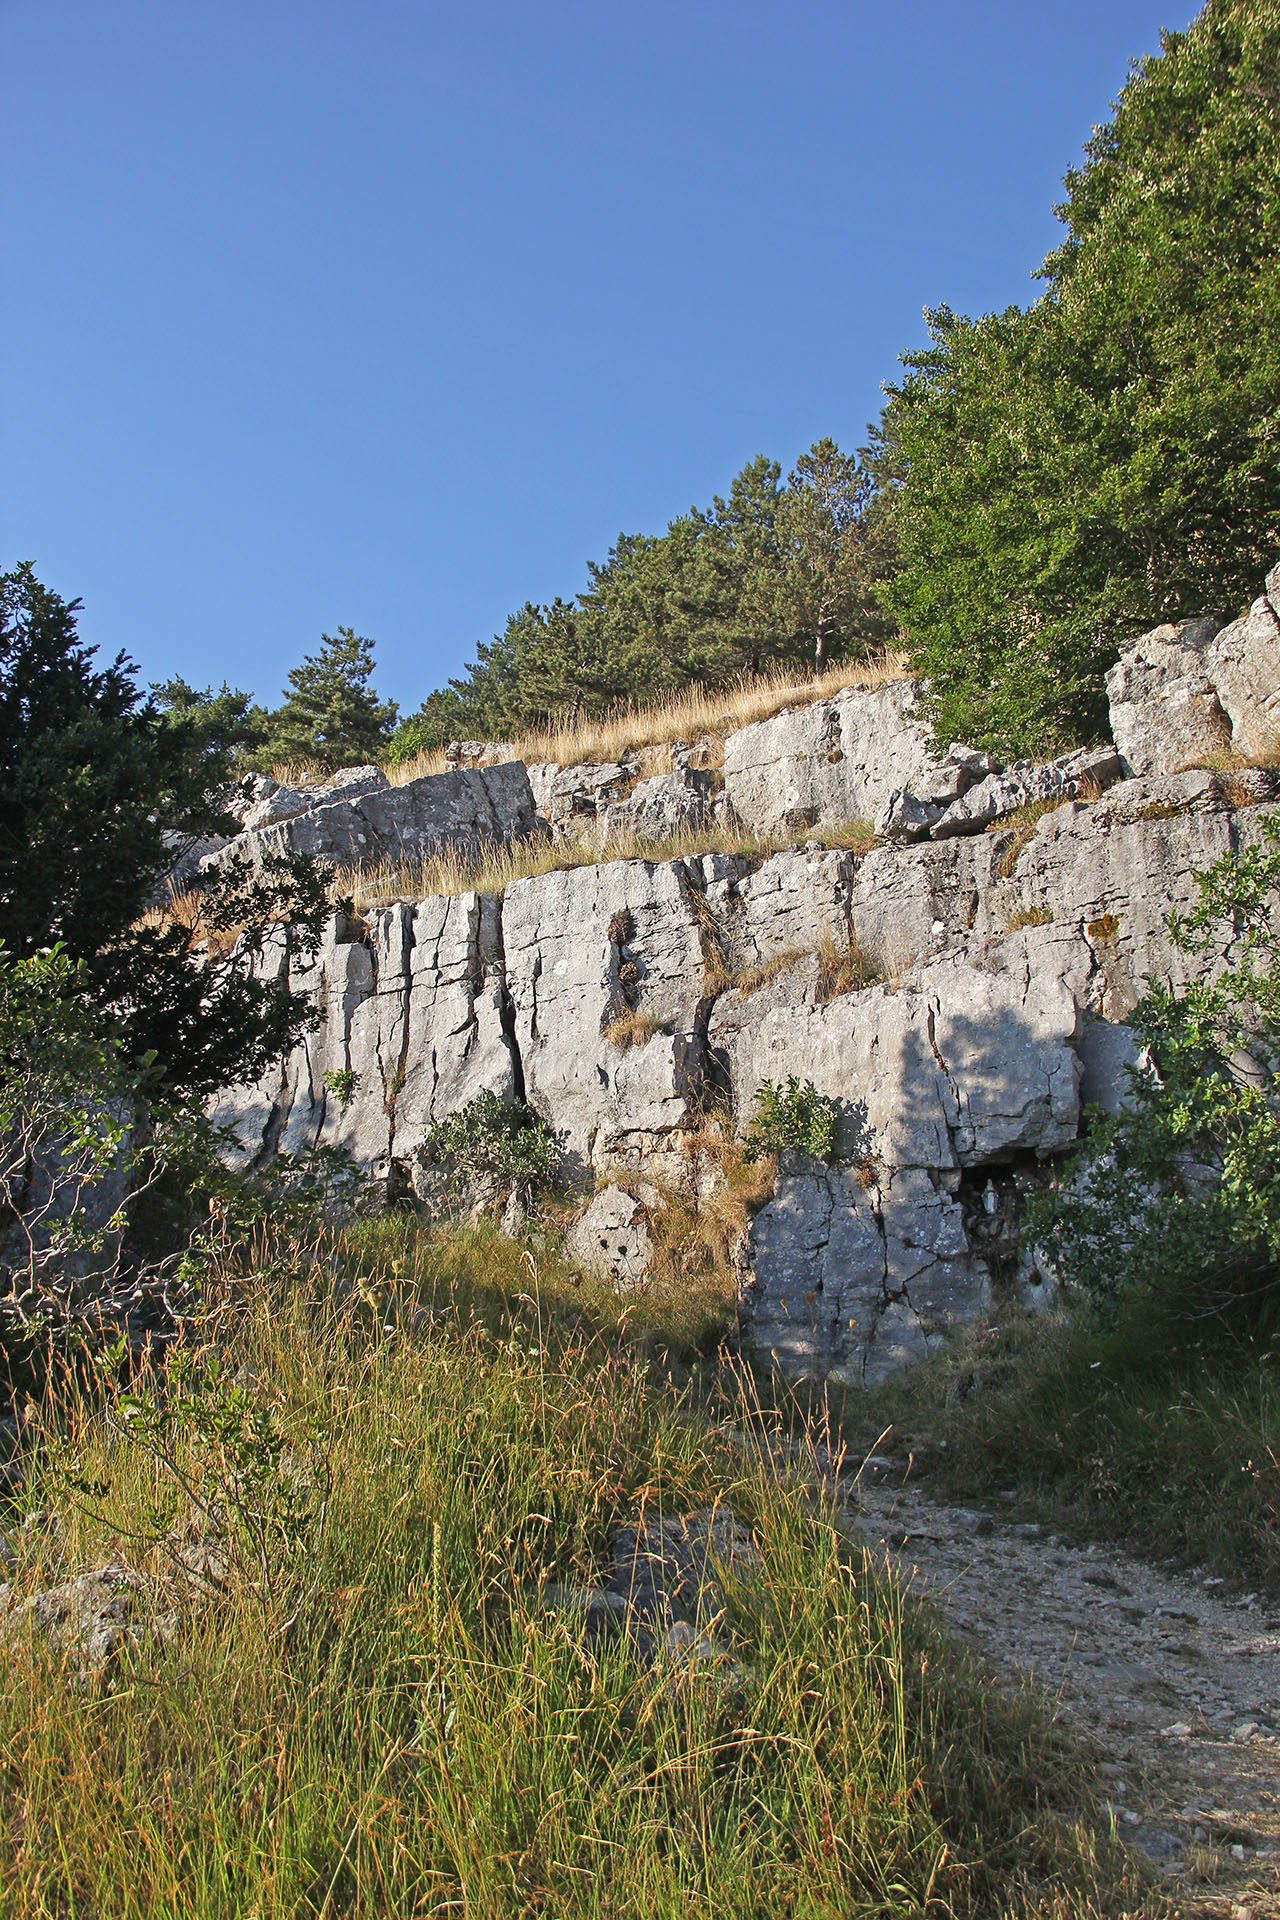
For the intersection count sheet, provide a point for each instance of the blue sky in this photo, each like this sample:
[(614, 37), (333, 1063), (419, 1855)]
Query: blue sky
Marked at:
[(394, 314)]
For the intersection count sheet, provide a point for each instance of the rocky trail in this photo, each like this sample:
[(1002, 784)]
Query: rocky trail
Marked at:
[(1170, 1679)]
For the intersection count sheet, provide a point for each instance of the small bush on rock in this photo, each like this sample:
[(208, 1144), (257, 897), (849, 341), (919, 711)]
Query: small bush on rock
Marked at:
[(500, 1144), (796, 1116)]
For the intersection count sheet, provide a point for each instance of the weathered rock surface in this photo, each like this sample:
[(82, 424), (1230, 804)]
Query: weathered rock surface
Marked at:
[(835, 761), (468, 806), (959, 990), (616, 797), (1010, 958), (1187, 693), (1165, 711), (93, 1618), (612, 1239), (1026, 784)]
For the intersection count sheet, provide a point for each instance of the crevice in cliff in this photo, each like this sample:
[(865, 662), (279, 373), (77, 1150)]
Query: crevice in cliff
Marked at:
[(698, 1072), (507, 1012), (394, 1082)]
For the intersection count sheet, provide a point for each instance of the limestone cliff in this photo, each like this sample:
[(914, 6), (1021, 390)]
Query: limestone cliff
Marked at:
[(1001, 956)]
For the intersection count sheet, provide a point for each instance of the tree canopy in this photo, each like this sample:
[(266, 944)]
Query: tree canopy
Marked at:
[(99, 790), (93, 780), (331, 712), (777, 574), (1109, 457)]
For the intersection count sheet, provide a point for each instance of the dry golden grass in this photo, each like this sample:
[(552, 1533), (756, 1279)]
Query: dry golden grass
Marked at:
[(1029, 917), (301, 773), (850, 836), (689, 715), (491, 869), (185, 907), (720, 979), (1227, 760), (401, 772), (697, 1229), (632, 1029), (845, 967)]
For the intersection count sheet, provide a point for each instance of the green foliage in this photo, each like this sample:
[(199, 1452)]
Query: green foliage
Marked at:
[(499, 1143), (99, 791), (216, 1014), (225, 719), (244, 1498), (1180, 1197), (66, 1112), (331, 712), (793, 1116), (838, 547), (1108, 458), (341, 1082), (95, 783), (772, 576)]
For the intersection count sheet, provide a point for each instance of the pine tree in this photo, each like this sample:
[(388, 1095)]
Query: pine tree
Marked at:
[(332, 713)]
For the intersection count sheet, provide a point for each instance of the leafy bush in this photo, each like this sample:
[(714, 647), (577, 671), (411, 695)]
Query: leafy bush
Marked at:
[(500, 1144), (1181, 1195), (240, 1496), (795, 1115), (66, 1149), (1070, 473)]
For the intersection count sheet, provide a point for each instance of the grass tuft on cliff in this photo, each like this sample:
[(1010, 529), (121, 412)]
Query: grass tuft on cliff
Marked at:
[(366, 1705)]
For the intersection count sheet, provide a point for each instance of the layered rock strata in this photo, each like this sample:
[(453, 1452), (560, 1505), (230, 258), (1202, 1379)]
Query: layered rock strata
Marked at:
[(359, 818), (999, 966), (959, 990)]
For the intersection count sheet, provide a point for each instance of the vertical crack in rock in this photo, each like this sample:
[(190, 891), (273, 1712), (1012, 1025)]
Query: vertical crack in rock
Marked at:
[(407, 921), (507, 1010), (693, 1067)]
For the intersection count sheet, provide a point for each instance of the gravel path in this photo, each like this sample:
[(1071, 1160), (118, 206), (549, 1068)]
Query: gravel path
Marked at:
[(1173, 1682)]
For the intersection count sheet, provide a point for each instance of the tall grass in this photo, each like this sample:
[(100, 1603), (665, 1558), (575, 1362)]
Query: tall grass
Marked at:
[(410, 1728), (688, 715)]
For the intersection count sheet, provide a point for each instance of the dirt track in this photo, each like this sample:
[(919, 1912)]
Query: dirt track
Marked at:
[(1174, 1682)]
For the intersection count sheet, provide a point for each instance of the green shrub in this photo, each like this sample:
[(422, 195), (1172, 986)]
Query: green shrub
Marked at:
[(341, 1082), (501, 1143), (1180, 1196), (796, 1116)]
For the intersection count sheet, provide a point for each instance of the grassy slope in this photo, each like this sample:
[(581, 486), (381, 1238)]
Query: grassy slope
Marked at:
[(425, 1737)]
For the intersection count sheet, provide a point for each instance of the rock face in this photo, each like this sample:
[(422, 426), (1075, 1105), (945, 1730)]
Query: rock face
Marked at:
[(364, 819), (959, 990), (1185, 694), (612, 1239), (1006, 958), (834, 761)]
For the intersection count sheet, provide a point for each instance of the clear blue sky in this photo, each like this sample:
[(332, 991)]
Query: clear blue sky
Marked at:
[(392, 313)]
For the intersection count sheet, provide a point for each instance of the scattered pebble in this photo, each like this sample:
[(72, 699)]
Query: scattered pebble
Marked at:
[(968, 1521)]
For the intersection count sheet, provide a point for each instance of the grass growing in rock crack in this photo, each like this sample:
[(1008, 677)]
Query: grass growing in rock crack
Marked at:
[(406, 1727), (491, 869)]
